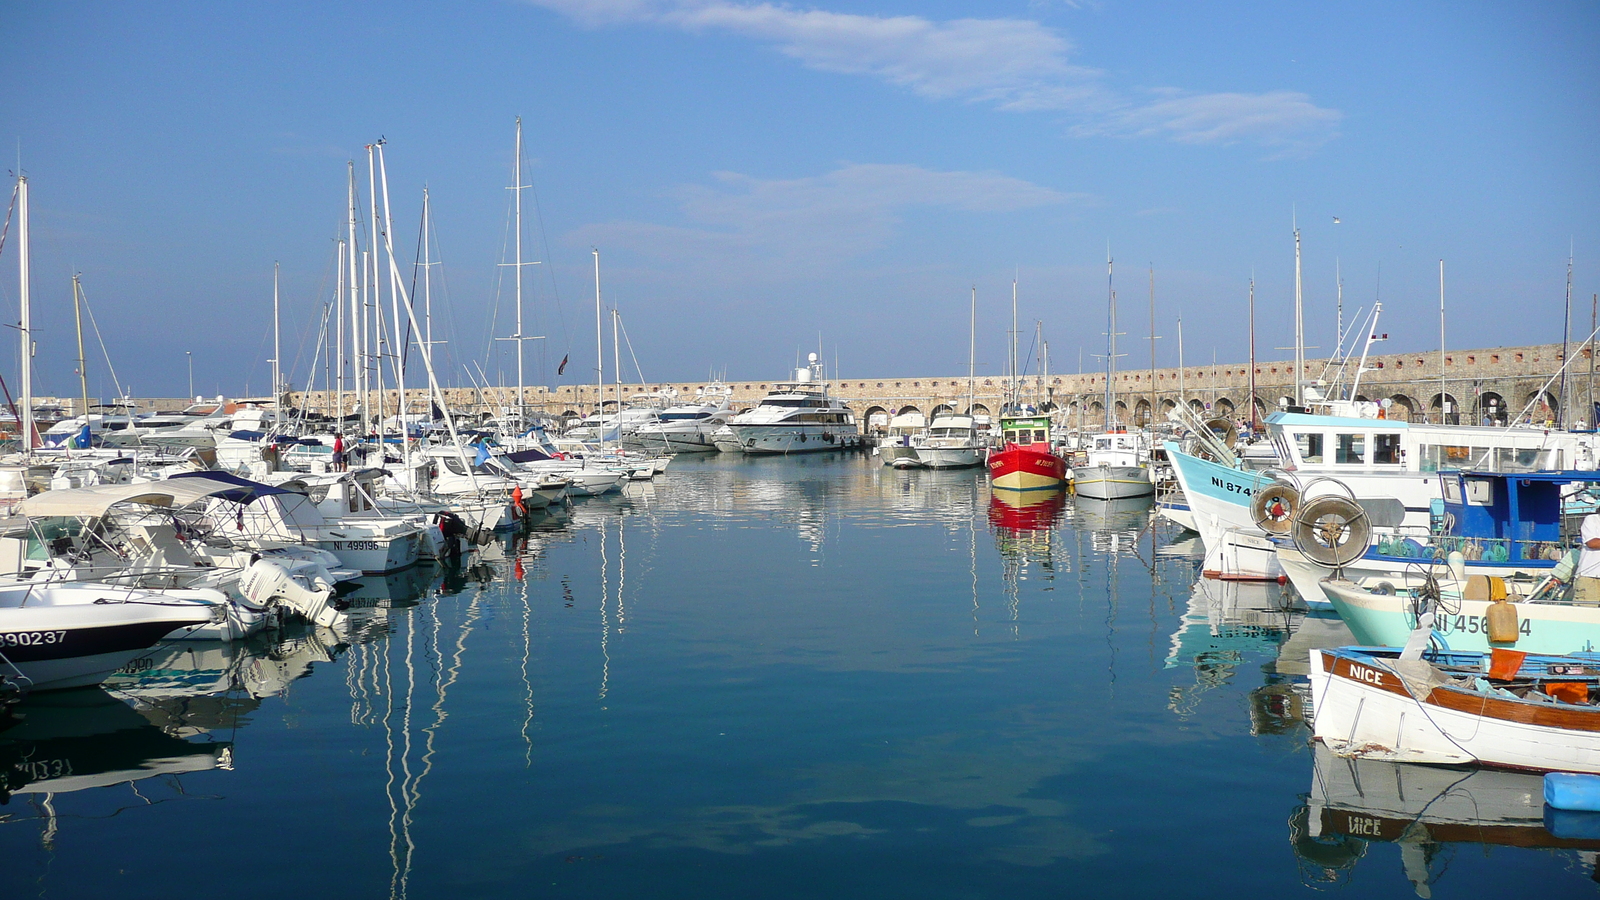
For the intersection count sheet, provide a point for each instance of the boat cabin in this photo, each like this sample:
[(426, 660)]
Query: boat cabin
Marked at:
[(1025, 431), (1338, 443), (1506, 517)]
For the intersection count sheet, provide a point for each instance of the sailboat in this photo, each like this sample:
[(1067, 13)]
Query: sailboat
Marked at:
[(1118, 461), (1025, 461)]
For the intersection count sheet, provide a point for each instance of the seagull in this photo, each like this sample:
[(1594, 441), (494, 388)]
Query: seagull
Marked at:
[(1335, 220)]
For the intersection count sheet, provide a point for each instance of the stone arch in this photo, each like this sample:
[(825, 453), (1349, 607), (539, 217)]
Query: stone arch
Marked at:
[(977, 409), (1119, 412), (1451, 413), (1491, 409), (1168, 406), (908, 408), (940, 410), (1197, 407), (1545, 408), (1401, 408), (1141, 413), (1261, 408), (572, 415), (1097, 413), (877, 419), (1222, 408)]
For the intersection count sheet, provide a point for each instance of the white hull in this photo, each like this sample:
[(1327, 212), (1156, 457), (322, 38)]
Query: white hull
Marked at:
[(786, 438), (1367, 711), (950, 457), (82, 642), (1112, 482)]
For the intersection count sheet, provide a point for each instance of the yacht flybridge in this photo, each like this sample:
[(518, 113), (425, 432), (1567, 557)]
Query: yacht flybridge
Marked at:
[(797, 416)]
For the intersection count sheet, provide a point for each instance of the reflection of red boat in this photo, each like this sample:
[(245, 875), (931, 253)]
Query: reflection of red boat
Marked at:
[(1033, 511), (1026, 463)]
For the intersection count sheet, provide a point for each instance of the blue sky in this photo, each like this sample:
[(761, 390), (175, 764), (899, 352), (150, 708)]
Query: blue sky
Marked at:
[(755, 175)]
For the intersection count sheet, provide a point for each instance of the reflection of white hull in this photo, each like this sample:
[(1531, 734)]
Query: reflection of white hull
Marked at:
[(1112, 482), (891, 454)]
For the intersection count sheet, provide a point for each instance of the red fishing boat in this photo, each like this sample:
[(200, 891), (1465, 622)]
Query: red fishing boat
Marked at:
[(1026, 462)]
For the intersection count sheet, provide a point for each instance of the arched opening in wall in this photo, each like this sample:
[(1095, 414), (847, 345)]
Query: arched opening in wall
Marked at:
[(1197, 407), (1491, 409), (1545, 408), (908, 409), (1261, 408), (1168, 406), (1097, 415), (1451, 413), (1119, 413), (1401, 408), (941, 409), (1141, 413), (571, 415), (977, 409), (877, 419), (1222, 408), (1363, 398)]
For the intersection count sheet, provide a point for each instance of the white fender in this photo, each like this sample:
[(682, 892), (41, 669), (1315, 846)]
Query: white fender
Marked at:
[(265, 582)]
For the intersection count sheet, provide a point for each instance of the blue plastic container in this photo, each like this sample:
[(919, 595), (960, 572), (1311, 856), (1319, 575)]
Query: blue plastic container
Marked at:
[(1571, 825), (1565, 790)]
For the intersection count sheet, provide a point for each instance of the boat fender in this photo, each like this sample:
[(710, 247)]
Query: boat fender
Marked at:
[(802, 437), (1570, 790), (1502, 620)]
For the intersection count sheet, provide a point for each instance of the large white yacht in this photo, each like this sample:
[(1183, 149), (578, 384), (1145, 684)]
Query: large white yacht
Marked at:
[(686, 427), (797, 416)]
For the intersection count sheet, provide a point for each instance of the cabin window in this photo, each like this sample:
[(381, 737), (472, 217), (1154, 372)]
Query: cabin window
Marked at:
[(1385, 449), (1310, 447), (1480, 492), (454, 465), (1351, 450), (1452, 489)]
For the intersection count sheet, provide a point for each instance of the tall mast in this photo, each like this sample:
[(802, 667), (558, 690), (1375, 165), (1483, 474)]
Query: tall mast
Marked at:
[(353, 285), (1444, 416), (427, 268), (1111, 342), (375, 297), (972, 348), (1299, 328), (599, 352), (1253, 353), (1566, 336), (277, 355), (1183, 397), (338, 303), (1339, 286), (517, 193), (25, 323), (1152, 417), (395, 289), (616, 360), (83, 368), (1013, 345)]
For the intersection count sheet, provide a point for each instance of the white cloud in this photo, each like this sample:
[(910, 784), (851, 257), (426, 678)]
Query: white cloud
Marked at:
[(1015, 64), (842, 214)]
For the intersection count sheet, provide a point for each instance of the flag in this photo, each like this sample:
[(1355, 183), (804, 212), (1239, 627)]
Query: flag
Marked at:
[(436, 411), (562, 369), (483, 455), (81, 442)]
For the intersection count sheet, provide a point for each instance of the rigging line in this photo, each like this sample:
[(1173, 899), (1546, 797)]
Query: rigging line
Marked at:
[(4, 232), (555, 290), (629, 342), (499, 284), (300, 348), (115, 381)]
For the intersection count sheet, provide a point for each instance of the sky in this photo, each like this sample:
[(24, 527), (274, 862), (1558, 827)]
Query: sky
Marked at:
[(765, 180)]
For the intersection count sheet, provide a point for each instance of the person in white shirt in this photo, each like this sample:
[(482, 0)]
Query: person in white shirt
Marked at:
[(1586, 586)]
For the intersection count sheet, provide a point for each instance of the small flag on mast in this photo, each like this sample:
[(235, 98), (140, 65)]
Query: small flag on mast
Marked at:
[(562, 369)]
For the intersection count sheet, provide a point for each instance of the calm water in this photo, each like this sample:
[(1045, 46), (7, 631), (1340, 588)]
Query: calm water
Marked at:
[(769, 678)]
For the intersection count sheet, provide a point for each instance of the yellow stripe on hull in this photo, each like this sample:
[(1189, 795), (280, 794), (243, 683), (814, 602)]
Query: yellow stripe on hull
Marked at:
[(1027, 481)]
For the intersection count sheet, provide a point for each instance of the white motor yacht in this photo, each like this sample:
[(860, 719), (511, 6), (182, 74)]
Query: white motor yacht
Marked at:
[(952, 442), (686, 427), (797, 416)]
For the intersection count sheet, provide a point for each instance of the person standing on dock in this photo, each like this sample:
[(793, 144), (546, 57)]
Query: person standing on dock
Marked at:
[(338, 452), (1586, 586)]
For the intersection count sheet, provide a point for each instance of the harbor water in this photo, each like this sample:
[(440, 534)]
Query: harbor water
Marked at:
[(782, 677)]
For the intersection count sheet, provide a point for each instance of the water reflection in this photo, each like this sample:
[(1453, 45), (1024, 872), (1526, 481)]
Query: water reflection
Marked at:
[(1427, 811)]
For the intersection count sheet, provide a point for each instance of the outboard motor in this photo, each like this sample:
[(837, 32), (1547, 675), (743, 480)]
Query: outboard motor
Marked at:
[(265, 583)]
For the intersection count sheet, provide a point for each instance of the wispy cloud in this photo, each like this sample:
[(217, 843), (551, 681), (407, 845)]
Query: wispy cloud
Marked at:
[(1017, 65), (842, 214)]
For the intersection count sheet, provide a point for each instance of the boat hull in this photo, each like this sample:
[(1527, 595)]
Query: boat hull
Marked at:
[(1385, 620), (1363, 709), (1112, 482), (950, 457), (58, 647), (1026, 469), (786, 438)]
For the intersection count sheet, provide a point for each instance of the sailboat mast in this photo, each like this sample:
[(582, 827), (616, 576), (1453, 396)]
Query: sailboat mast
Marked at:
[(25, 277), (517, 193), (277, 355), (338, 303), (83, 368), (1444, 416), (599, 347), (616, 363), (1183, 396), (427, 268), (353, 285), (399, 336), (1566, 337), (1252, 354), (1111, 341), (375, 297), (1152, 416), (1299, 328), (1013, 344), (972, 348)]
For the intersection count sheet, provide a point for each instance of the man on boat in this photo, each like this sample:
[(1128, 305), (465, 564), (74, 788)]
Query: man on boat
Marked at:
[(1586, 586)]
